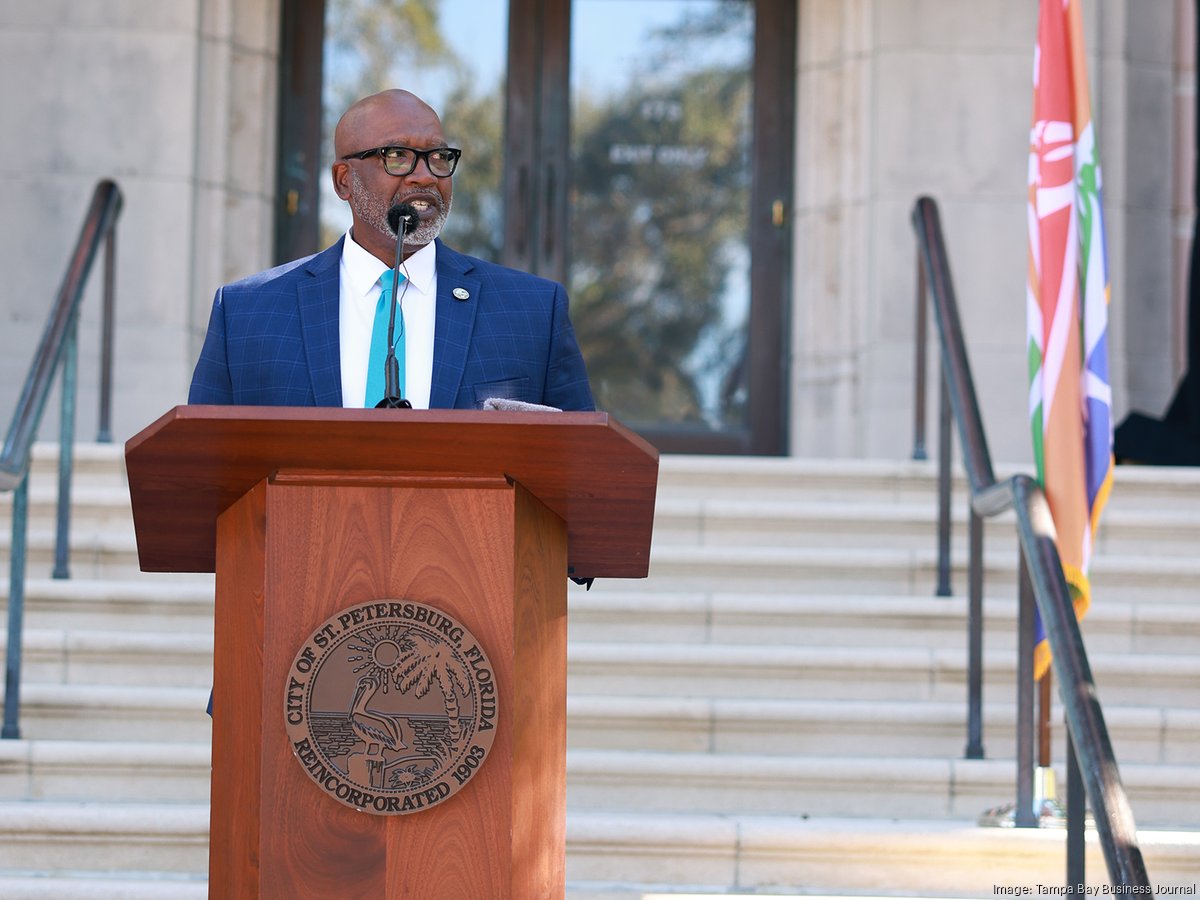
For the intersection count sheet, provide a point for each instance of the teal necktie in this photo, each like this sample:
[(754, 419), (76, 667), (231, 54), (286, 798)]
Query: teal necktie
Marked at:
[(375, 379)]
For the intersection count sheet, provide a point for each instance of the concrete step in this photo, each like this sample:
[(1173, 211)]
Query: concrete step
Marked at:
[(104, 550), (855, 787), (114, 713), (110, 838), (845, 673), (1154, 488), (78, 849), (90, 462), (868, 729), (895, 523), (773, 478), (84, 885), (618, 611), (147, 602), (104, 771), (93, 657), (864, 570), (687, 857), (92, 503)]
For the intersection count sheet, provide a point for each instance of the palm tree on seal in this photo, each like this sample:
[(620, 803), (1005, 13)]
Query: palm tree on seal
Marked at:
[(425, 663)]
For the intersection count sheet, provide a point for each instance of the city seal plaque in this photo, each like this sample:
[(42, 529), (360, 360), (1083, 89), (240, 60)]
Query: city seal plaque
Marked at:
[(391, 706)]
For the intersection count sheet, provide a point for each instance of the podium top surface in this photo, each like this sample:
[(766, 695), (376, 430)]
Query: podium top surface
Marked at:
[(195, 461)]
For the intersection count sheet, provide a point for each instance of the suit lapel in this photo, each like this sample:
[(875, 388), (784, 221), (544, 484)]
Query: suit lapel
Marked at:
[(318, 296), (454, 325)]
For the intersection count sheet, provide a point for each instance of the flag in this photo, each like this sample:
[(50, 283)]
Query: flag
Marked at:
[(1070, 399)]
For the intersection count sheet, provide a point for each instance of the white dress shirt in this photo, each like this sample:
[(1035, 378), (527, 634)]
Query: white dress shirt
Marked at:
[(358, 296)]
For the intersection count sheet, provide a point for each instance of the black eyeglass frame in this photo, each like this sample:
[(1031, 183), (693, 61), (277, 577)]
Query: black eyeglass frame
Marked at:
[(417, 155)]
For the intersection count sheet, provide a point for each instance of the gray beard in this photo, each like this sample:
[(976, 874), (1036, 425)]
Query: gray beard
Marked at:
[(425, 233), (373, 212)]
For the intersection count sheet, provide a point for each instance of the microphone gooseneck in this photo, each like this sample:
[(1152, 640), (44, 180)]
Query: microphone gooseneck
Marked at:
[(402, 219)]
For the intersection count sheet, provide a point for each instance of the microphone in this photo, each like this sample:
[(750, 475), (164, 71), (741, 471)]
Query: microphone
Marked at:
[(402, 212), (402, 219)]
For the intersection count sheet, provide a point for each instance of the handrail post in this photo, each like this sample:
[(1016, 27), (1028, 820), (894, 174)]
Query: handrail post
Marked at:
[(1043, 591), (921, 362), (58, 348), (66, 450), (975, 639), (16, 611), (104, 429), (1024, 815), (1076, 816), (944, 489)]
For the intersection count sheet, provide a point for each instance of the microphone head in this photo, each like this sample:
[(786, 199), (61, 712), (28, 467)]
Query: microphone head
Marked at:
[(404, 213)]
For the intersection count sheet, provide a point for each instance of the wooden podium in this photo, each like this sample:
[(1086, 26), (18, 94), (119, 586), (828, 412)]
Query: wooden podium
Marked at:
[(312, 516)]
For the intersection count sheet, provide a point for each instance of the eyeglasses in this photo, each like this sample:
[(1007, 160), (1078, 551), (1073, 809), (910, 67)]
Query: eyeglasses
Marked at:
[(401, 161)]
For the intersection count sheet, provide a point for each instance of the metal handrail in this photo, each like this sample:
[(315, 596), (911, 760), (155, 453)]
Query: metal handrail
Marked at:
[(1090, 759), (57, 350)]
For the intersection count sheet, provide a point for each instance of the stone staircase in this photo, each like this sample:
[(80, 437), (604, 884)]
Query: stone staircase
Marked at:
[(778, 710)]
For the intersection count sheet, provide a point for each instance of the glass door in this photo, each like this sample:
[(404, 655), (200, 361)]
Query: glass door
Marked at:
[(639, 151), (659, 211), (648, 167), (450, 53)]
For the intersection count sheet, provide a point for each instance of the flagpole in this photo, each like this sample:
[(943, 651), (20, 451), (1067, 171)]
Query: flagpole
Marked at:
[(1046, 806), (1044, 720)]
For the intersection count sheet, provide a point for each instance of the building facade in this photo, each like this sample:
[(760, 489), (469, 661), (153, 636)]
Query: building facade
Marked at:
[(860, 106)]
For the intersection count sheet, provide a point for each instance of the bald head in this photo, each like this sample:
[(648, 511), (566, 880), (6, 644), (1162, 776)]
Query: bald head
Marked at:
[(362, 126)]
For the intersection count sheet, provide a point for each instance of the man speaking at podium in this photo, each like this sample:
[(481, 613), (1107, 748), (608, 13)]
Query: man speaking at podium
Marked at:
[(314, 332)]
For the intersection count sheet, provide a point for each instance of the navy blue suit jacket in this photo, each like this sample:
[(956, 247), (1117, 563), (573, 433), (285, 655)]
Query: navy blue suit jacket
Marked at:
[(273, 338)]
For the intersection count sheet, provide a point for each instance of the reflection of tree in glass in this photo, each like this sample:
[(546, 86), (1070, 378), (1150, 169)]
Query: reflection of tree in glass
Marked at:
[(659, 201), (660, 213), (475, 122), (372, 45), (367, 41)]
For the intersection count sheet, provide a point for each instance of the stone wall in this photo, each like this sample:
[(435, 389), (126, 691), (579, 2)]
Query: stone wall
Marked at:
[(899, 98), (175, 101)]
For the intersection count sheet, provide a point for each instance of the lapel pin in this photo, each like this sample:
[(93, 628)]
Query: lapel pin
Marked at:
[(461, 293)]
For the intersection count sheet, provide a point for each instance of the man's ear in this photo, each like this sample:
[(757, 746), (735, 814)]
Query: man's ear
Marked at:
[(340, 172)]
